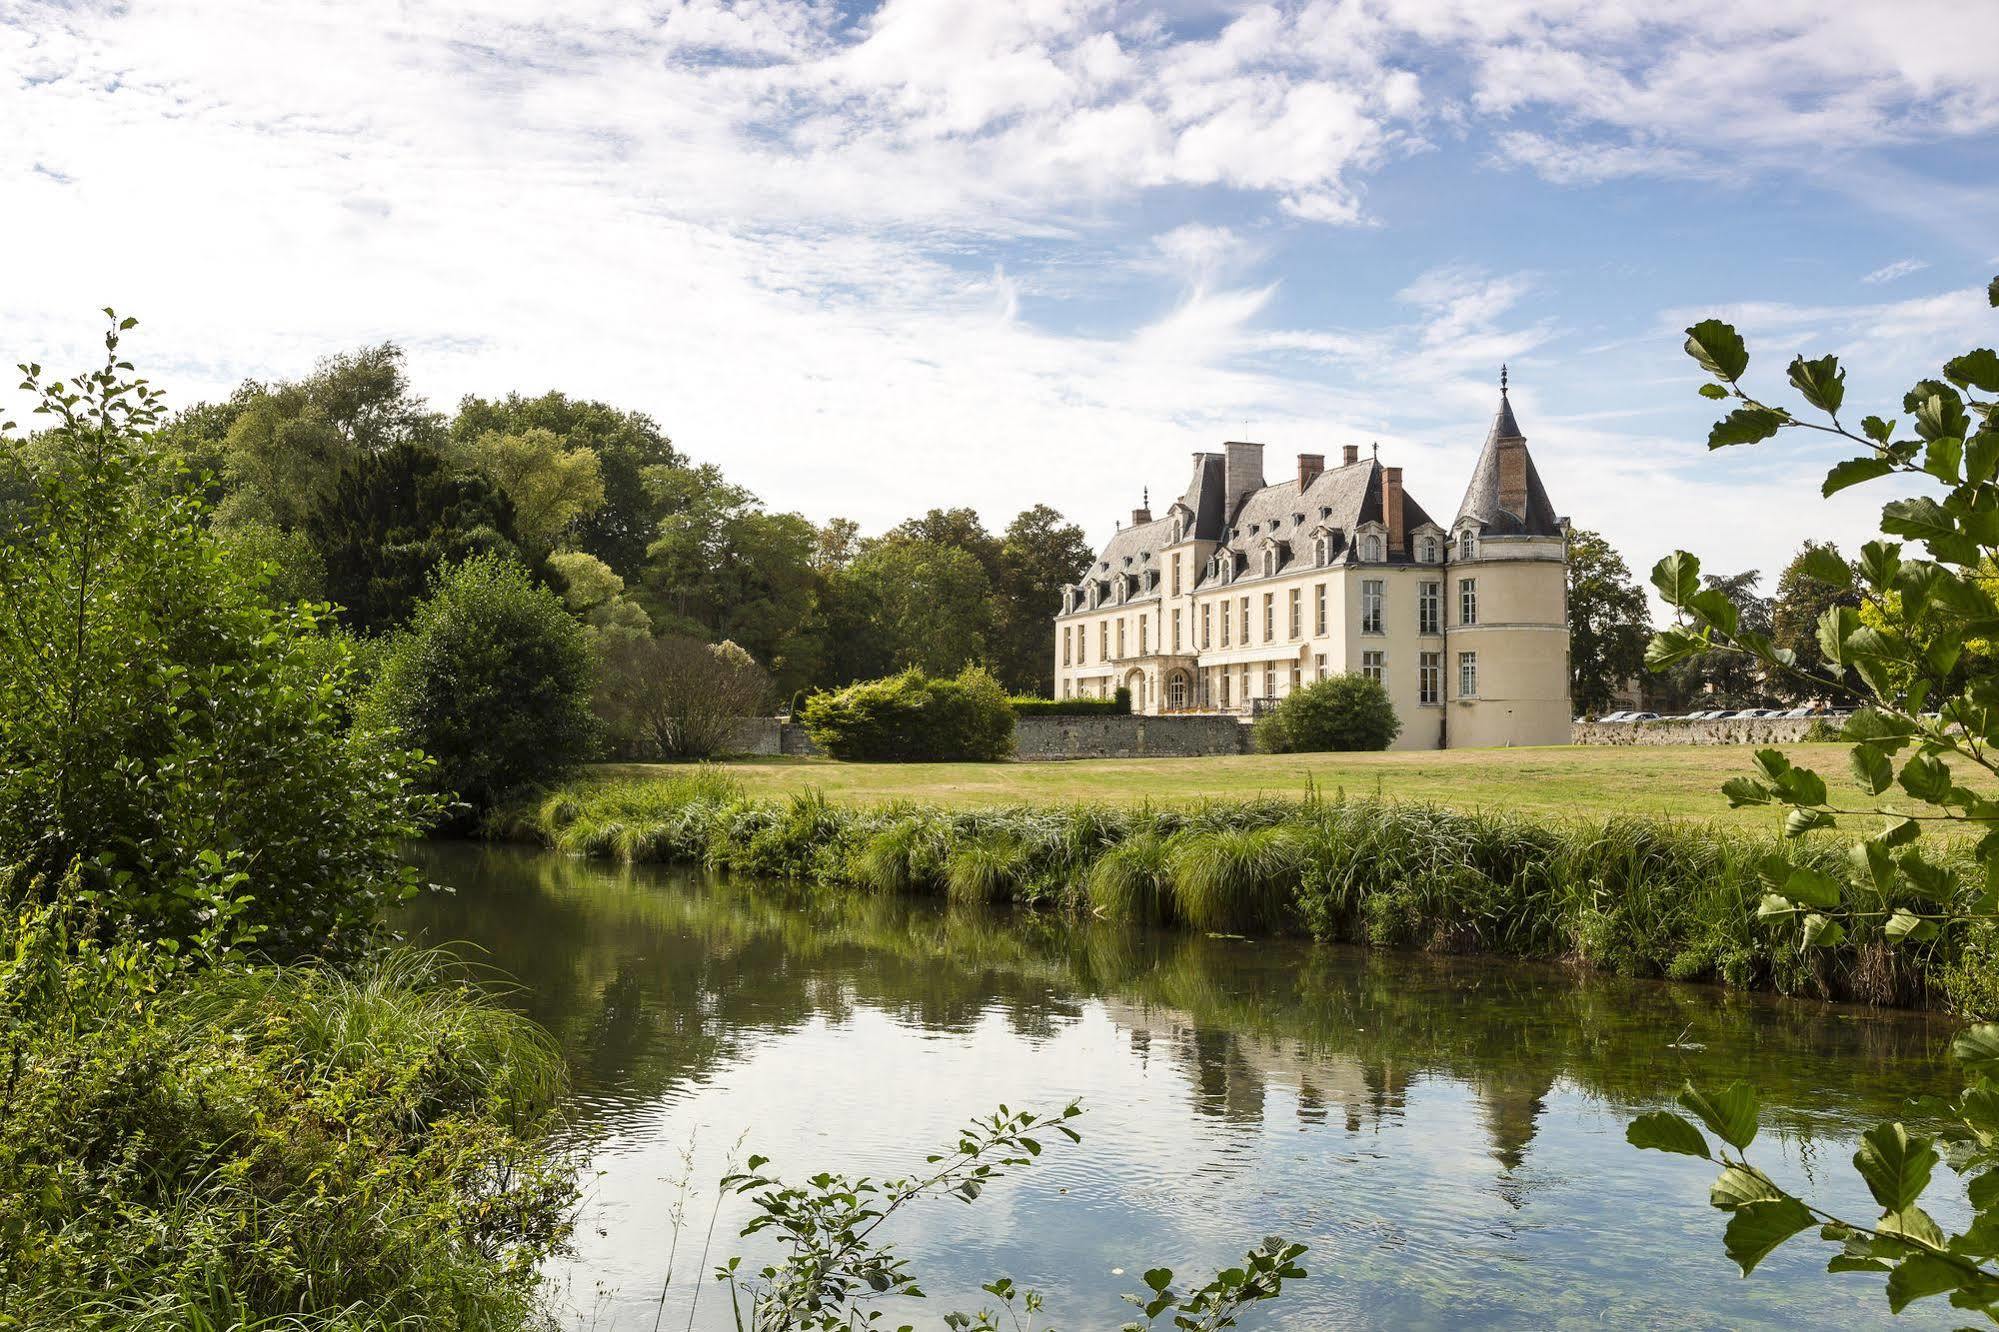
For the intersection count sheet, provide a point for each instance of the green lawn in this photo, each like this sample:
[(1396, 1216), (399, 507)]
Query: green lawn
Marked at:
[(1589, 781)]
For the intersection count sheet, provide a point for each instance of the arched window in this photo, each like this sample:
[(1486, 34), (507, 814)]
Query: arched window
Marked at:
[(1429, 550), (1176, 692), (1467, 546), (1371, 550), (1269, 563), (1319, 551)]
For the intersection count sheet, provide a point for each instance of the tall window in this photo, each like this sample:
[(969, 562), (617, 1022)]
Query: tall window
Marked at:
[(1245, 630), (1269, 563), (1467, 675), (1225, 624), (1176, 692), (1296, 673), (1321, 549), (1065, 688), (1269, 679), (1370, 550), (1468, 601), (1176, 628), (1429, 550), (1065, 645), (1430, 608), (1297, 611), (1207, 623), (1319, 666), (1103, 640), (1374, 665), (1429, 676), (1176, 575), (1120, 637), (1319, 614), (1223, 676), (1370, 606), (1245, 682), (1269, 616), (1467, 547), (1141, 635)]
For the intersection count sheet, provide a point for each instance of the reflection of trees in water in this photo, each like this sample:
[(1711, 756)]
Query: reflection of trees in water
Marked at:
[(651, 980)]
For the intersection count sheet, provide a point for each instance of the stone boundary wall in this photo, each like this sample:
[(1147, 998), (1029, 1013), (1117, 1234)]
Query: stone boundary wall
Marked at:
[(1040, 738), (1743, 731)]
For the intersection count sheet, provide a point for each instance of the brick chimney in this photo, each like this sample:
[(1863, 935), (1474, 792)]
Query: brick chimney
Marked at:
[(1140, 516), (1513, 476), (1309, 467), (1242, 471), (1391, 506), (1349, 455)]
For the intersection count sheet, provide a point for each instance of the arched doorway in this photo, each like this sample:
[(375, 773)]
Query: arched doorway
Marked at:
[(1179, 692), (1134, 681)]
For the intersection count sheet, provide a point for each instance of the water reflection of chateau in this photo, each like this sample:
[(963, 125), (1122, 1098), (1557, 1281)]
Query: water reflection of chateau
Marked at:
[(1232, 1071)]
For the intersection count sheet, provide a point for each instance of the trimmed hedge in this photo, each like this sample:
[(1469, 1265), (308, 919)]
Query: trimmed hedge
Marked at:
[(1118, 705), (911, 718)]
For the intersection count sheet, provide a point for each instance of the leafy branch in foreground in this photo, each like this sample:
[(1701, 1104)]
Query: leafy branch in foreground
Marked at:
[(1925, 730), (833, 1271)]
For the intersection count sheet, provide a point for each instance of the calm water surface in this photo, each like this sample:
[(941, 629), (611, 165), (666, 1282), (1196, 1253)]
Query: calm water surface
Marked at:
[(1447, 1136)]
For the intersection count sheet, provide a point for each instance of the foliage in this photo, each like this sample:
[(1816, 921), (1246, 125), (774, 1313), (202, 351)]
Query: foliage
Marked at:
[(1922, 732), (913, 718), (1039, 555), (833, 1271), (910, 604), (1117, 705), (1801, 602), (721, 567), (1340, 712), (552, 485), (596, 595), (217, 1147), (164, 726), (492, 678), (1608, 623), (628, 445), (392, 521), (677, 697)]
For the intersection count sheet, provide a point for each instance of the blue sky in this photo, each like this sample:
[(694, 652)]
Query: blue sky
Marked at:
[(873, 259)]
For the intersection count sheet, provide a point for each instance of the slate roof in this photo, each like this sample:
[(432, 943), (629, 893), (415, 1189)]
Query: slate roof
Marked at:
[(1481, 502)]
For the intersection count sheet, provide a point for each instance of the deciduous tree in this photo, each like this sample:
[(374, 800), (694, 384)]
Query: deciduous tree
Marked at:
[(1608, 626)]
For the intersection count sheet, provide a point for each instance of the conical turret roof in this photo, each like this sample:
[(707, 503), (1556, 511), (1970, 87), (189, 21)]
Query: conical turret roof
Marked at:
[(1482, 497)]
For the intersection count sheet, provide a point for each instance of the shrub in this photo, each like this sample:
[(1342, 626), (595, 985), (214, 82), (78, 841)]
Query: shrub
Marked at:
[(1237, 878), (219, 1148), (492, 678), (162, 722), (913, 718), (676, 697), (1341, 712), (1118, 705)]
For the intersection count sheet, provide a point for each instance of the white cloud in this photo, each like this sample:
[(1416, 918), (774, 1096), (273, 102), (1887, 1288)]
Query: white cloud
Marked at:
[(1901, 268)]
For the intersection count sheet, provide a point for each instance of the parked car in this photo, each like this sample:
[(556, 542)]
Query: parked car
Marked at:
[(1643, 716), (1614, 717)]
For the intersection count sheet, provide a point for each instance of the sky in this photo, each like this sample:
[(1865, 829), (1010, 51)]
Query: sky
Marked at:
[(874, 259)]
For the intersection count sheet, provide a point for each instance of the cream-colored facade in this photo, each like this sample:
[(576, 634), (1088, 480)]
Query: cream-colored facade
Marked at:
[(1243, 590)]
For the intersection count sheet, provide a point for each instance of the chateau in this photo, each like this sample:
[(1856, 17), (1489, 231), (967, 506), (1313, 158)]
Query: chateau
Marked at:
[(1246, 589)]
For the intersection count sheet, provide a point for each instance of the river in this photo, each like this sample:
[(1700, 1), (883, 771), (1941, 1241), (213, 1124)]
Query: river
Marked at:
[(1447, 1135)]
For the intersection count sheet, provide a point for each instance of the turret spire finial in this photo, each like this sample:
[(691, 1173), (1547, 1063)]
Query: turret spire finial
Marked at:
[(1147, 501), (1502, 377)]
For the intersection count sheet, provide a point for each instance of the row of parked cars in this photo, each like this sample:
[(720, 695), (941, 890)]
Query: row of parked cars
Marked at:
[(1718, 714)]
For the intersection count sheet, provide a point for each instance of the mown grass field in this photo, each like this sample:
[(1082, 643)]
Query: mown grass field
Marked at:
[(1576, 781)]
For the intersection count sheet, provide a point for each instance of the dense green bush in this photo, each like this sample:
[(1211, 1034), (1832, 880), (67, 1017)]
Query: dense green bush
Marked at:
[(492, 678), (1341, 712), (1117, 705), (233, 1146), (161, 722), (1631, 896), (913, 718)]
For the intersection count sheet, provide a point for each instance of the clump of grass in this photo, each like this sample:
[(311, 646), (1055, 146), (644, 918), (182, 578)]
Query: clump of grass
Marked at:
[(1132, 881), (1237, 879), (990, 869)]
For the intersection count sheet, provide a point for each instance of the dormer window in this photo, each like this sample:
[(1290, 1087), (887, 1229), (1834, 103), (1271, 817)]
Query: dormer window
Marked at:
[(1467, 545), (1429, 549), (1322, 551), (1269, 563), (1370, 550)]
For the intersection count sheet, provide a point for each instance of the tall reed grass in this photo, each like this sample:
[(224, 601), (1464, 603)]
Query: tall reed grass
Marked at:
[(1632, 896)]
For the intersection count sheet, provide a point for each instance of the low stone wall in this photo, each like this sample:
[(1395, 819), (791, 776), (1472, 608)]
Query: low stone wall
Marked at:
[(1039, 738), (1746, 731), (1036, 738)]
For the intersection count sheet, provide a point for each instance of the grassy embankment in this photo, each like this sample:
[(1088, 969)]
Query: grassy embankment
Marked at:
[(1584, 875)]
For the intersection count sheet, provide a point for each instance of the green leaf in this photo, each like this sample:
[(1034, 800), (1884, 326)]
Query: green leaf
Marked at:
[(1713, 391), (1880, 561), (1896, 1167), (1921, 1275), (1718, 348), (1159, 1278), (1738, 1186), (1878, 430), (1975, 369), (1871, 769), (1801, 821), (1669, 647), (1730, 1114), (1944, 458), (1712, 606), (1824, 564), (1977, 1049), (1678, 578), (1664, 1131), (1921, 519), (1821, 381), (1906, 924), (1758, 1228), (1745, 425), (1821, 932), (1807, 885), (1992, 293), (1925, 778), (1773, 904), (1743, 791)]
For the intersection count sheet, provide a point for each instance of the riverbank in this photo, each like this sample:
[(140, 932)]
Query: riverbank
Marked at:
[(1631, 896)]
